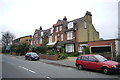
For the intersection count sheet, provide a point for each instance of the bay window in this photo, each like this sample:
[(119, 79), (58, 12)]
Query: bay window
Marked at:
[(69, 47)]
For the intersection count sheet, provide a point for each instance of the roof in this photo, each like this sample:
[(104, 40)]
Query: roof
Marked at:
[(23, 37)]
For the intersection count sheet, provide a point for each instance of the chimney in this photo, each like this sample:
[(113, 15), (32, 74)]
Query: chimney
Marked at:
[(64, 19), (40, 27), (88, 13)]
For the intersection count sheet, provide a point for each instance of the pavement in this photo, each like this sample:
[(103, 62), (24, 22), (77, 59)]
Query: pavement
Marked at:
[(69, 62)]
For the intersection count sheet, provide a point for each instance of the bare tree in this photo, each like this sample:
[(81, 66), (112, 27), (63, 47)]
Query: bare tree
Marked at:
[(7, 38)]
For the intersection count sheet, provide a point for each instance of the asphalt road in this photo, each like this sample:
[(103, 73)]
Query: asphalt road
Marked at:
[(13, 67)]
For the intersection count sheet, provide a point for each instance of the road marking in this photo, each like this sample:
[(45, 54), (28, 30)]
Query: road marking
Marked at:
[(32, 71), (48, 77), (27, 69), (70, 68)]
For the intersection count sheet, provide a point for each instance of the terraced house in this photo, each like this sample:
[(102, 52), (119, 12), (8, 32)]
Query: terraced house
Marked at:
[(68, 34)]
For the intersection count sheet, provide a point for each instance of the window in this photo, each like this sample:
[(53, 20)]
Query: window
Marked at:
[(51, 30), (56, 29), (61, 37), (85, 24), (41, 33), (70, 25), (69, 35), (84, 58), (80, 49), (36, 35), (91, 58), (60, 28), (50, 39), (40, 40), (55, 38), (70, 48)]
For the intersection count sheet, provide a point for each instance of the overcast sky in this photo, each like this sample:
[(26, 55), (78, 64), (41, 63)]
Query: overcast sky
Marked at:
[(22, 17)]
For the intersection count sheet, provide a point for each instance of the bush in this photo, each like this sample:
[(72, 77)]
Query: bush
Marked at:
[(87, 50), (75, 54), (63, 56), (40, 49), (20, 49), (50, 52)]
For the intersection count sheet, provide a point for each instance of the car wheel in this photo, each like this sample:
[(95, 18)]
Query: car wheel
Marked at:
[(106, 71), (25, 58), (80, 67), (30, 59)]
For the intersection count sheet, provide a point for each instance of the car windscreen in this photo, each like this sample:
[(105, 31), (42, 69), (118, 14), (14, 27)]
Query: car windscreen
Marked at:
[(101, 58), (34, 54)]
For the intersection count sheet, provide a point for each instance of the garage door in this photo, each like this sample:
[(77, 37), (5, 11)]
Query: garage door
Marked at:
[(101, 49)]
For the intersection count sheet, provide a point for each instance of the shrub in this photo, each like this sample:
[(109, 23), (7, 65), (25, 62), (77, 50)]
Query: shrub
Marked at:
[(20, 49), (63, 56), (50, 52), (40, 49), (87, 50), (75, 54)]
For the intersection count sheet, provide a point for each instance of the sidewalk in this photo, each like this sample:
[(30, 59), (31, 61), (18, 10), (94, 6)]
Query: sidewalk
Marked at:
[(70, 62)]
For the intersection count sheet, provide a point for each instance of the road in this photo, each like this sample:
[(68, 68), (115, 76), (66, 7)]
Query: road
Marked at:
[(13, 67)]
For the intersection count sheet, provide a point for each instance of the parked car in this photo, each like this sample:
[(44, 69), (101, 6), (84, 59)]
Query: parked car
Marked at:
[(97, 62), (31, 56)]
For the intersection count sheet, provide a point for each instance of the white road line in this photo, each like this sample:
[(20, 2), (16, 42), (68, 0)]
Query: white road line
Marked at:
[(27, 69), (32, 71), (48, 77), (70, 68)]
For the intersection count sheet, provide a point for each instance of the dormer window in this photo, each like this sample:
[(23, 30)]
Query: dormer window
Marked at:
[(56, 29), (70, 25), (85, 24)]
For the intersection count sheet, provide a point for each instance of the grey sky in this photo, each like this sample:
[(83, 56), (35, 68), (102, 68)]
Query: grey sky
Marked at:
[(22, 17)]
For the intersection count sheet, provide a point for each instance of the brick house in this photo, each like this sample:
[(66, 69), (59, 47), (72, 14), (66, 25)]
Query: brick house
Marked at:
[(70, 33), (40, 37)]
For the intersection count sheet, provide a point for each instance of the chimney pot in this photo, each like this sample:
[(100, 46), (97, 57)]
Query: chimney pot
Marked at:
[(65, 19)]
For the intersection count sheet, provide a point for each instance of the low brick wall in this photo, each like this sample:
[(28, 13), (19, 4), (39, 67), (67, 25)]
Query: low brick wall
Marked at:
[(50, 57)]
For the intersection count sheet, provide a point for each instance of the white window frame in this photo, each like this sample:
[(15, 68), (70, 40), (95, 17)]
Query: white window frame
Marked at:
[(69, 35), (69, 47), (50, 39), (40, 40), (56, 29), (61, 28), (70, 25), (61, 37)]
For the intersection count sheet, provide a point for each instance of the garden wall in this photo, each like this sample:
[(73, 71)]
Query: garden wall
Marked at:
[(50, 57)]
